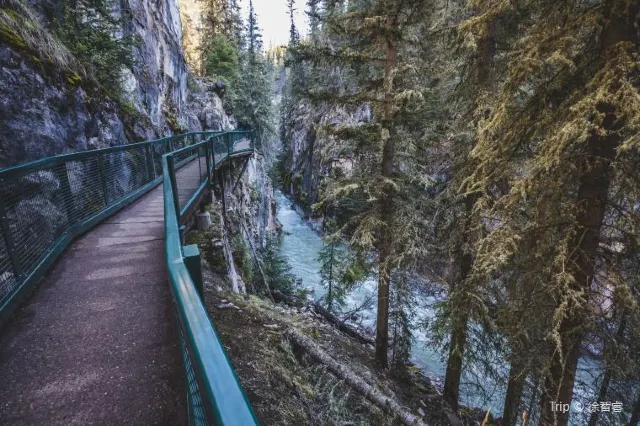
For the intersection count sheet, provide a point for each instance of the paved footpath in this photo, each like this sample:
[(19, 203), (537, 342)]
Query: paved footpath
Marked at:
[(97, 342)]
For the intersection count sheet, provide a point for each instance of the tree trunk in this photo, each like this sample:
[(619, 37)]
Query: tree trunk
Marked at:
[(329, 293), (515, 385), (459, 326), (635, 416), (451, 391), (256, 261), (592, 197), (458, 339), (386, 403), (591, 202), (384, 243), (341, 325), (606, 379), (237, 285)]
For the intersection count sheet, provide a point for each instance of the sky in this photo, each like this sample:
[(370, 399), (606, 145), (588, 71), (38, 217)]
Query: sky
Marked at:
[(273, 19)]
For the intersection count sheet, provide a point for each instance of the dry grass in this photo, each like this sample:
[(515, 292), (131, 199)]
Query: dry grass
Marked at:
[(20, 27), (286, 387)]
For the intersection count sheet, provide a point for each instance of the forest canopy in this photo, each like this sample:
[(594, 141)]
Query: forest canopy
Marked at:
[(493, 145)]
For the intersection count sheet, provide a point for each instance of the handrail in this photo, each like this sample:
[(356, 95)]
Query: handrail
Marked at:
[(218, 393), (46, 203), (74, 156)]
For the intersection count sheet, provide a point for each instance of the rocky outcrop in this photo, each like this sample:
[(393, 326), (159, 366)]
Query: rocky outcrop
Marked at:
[(40, 115), (250, 204), (45, 110), (311, 154), (204, 106), (242, 231)]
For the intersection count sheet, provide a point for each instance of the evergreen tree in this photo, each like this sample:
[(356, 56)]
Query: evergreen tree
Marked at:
[(562, 133), (479, 81), (254, 37), (276, 268), (221, 59), (379, 52), (87, 28), (340, 270), (330, 258), (249, 98)]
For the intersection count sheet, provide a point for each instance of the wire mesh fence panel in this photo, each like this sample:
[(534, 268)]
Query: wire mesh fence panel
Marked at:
[(38, 207), (198, 414), (8, 277), (220, 148), (157, 151), (86, 187), (209, 141), (241, 142), (202, 162), (189, 176), (124, 172), (185, 156)]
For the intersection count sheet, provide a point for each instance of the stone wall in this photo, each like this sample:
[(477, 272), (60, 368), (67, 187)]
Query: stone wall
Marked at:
[(43, 112)]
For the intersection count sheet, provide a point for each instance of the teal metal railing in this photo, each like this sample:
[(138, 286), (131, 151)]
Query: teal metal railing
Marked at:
[(214, 393), (46, 203)]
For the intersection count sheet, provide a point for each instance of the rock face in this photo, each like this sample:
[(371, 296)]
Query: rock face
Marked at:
[(157, 84), (192, 13), (250, 204), (204, 107), (43, 112), (311, 156), (41, 117)]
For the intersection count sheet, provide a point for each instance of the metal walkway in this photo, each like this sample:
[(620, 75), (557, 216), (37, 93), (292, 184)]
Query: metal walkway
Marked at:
[(98, 343)]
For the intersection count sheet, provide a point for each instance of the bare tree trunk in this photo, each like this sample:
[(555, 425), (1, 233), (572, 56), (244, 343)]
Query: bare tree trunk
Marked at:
[(329, 293), (237, 284), (386, 403), (512, 398), (384, 245), (256, 261), (459, 326), (340, 324), (451, 391), (606, 379)]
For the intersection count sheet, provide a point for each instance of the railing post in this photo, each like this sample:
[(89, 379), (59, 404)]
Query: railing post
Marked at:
[(151, 160), (192, 261), (8, 239), (174, 185), (228, 138), (213, 155), (65, 187), (103, 180), (207, 153)]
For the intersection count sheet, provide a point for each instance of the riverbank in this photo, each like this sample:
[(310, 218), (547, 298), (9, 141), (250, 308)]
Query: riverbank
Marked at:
[(286, 387)]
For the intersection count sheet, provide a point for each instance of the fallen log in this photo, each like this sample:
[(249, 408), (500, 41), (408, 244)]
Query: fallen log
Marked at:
[(386, 403), (340, 324)]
